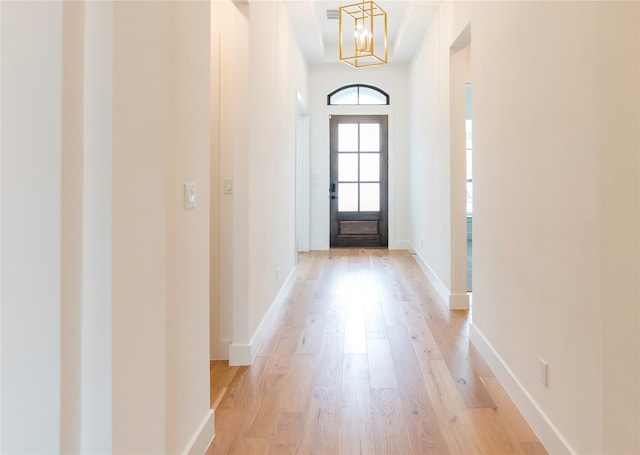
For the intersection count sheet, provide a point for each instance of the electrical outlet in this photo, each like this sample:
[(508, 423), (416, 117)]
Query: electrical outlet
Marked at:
[(543, 372)]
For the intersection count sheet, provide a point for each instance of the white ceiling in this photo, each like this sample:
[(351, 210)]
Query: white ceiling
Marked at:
[(407, 21)]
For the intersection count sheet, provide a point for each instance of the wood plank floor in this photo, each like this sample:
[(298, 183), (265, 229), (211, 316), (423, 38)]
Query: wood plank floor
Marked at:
[(365, 360)]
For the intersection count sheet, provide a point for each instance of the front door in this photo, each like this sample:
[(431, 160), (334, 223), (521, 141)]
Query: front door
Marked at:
[(359, 174)]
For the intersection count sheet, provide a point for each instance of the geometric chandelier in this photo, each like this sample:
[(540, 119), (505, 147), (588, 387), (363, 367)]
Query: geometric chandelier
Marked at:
[(363, 34)]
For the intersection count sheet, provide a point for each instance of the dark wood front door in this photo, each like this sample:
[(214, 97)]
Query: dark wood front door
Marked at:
[(359, 174)]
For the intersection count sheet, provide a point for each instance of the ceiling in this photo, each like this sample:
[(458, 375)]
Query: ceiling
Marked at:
[(407, 21)]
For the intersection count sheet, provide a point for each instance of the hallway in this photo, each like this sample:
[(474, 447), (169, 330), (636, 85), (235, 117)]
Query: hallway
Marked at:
[(366, 359), (162, 162)]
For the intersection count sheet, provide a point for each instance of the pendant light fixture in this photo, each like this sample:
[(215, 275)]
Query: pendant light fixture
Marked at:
[(363, 34)]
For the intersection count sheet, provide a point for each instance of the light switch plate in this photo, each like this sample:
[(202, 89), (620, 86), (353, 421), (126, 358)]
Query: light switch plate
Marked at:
[(228, 186), (189, 196)]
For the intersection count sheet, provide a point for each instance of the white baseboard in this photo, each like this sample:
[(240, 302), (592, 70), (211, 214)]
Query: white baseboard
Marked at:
[(459, 301), (244, 354), (222, 350), (543, 427), (240, 354), (399, 245), (319, 246), (203, 437), (439, 286), (454, 301)]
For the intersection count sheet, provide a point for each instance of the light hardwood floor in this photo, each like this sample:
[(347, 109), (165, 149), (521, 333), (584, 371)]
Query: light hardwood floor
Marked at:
[(365, 359)]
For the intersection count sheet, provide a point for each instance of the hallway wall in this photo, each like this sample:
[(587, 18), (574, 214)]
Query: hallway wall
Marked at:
[(258, 115), (556, 197), (31, 261), (230, 143), (104, 274), (187, 389), (325, 80)]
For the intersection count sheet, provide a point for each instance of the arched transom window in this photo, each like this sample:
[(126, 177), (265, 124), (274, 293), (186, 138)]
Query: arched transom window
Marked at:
[(357, 94)]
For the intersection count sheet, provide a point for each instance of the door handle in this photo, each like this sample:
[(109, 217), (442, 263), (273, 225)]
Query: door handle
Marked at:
[(333, 196), (332, 188)]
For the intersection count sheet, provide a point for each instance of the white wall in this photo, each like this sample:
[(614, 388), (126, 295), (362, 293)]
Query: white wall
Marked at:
[(105, 116), (141, 147), (257, 150), (429, 162), (160, 251), (272, 154), (556, 245), (96, 426), (72, 226), (303, 182), (187, 394), (393, 81), (618, 118), (31, 226), (229, 107)]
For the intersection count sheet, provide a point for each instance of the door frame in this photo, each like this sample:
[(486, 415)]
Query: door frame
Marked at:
[(380, 240), (459, 76)]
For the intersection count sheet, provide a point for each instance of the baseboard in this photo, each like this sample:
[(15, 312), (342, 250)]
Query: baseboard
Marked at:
[(454, 301), (240, 354), (543, 427), (203, 437), (439, 286), (459, 301), (399, 245), (319, 246), (222, 350), (244, 354)]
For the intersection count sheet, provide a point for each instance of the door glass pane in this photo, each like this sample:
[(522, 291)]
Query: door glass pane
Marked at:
[(369, 167), (347, 197), (369, 137), (369, 197), (348, 137), (348, 167)]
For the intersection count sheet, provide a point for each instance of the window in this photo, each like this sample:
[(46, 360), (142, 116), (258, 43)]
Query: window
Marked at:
[(358, 94)]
